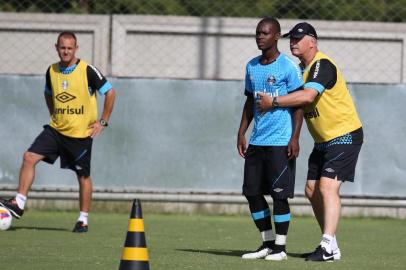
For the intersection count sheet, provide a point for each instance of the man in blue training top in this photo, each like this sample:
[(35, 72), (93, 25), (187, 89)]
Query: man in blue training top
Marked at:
[(270, 157)]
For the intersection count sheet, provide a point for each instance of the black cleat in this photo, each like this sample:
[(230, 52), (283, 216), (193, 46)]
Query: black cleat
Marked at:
[(336, 253), (80, 227), (320, 255), (12, 206)]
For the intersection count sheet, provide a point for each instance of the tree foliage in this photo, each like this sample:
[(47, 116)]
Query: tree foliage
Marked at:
[(355, 10)]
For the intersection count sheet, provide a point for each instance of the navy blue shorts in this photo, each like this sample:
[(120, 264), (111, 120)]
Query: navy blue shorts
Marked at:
[(75, 153), (335, 161), (267, 171)]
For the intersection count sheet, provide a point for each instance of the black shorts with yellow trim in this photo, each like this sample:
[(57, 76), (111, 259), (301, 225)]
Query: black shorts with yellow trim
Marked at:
[(267, 171), (75, 153), (338, 160)]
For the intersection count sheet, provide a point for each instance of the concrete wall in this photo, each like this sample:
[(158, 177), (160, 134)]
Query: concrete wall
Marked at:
[(27, 40), (217, 48), (192, 47), (180, 135)]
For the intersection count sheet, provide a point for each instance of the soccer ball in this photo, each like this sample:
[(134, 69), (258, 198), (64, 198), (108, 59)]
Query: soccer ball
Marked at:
[(5, 219)]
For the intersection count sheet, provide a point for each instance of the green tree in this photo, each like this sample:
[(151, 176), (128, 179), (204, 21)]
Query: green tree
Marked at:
[(355, 10)]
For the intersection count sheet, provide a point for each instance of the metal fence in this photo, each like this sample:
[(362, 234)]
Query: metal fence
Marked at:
[(200, 39)]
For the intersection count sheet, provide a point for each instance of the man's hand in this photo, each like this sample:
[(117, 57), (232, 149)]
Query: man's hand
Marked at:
[(241, 145), (263, 102), (96, 129), (293, 149)]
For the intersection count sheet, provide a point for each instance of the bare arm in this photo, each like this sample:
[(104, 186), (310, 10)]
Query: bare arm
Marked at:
[(109, 99), (295, 99), (324, 78), (293, 146), (246, 118)]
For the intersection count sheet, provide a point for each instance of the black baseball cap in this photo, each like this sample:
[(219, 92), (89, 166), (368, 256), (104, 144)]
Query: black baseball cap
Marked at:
[(302, 29)]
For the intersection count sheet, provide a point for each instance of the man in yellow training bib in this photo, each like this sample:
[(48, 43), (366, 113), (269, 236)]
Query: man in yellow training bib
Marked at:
[(333, 122), (70, 95)]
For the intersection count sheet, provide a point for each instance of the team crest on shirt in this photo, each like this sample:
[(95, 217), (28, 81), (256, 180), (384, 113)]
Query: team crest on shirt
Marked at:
[(65, 85), (271, 79)]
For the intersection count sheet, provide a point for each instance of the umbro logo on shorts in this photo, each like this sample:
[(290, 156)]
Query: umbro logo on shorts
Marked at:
[(329, 170), (278, 190)]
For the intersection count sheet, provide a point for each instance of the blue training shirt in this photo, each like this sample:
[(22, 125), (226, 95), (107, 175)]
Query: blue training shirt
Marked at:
[(282, 76)]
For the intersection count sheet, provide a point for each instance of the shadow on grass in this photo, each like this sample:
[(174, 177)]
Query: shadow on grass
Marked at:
[(17, 228), (298, 255), (237, 253), (234, 253)]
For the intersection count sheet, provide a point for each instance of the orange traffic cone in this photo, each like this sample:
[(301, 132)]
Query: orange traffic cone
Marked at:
[(135, 252)]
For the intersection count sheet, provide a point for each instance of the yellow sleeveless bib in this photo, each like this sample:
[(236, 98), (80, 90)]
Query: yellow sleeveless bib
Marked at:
[(332, 114), (74, 108)]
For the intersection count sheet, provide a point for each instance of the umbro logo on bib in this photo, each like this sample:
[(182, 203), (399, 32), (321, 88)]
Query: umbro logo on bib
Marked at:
[(65, 97)]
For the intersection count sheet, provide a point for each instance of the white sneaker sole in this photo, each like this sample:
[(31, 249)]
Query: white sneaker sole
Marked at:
[(277, 257), (256, 255), (337, 254)]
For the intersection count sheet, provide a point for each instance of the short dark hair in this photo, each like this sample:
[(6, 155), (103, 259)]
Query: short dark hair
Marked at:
[(67, 33), (271, 20)]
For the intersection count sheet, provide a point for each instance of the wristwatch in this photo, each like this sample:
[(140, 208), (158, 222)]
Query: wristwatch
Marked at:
[(275, 102), (104, 123)]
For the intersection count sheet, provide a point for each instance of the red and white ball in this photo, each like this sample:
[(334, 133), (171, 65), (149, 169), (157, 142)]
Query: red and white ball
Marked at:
[(5, 219)]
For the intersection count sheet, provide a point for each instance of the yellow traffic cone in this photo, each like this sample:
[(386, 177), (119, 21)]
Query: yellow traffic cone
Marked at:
[(135, 252)]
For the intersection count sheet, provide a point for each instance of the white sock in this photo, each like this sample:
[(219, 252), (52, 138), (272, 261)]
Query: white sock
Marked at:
[(334, 244), (83, 217), (21, 200), (280, 240), (326, 242), (267, 236)]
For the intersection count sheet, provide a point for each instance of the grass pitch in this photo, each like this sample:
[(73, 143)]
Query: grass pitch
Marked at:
[(42, 240)]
